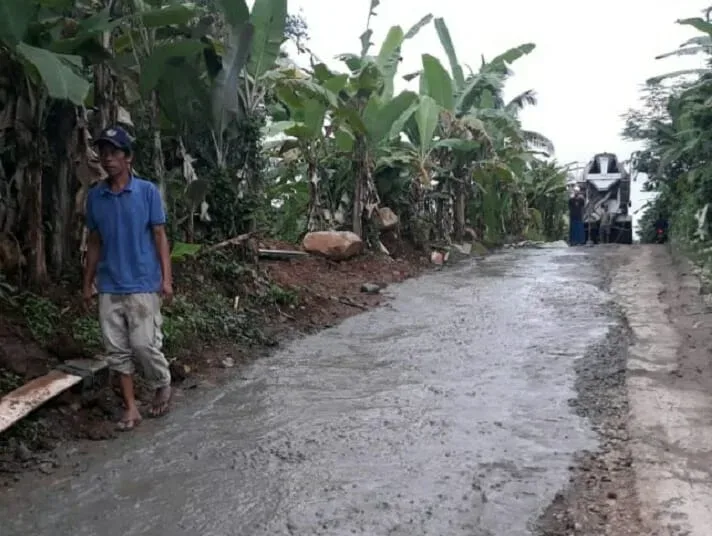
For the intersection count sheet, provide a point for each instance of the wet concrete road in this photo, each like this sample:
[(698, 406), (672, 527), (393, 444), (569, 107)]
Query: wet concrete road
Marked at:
[(444, 413)]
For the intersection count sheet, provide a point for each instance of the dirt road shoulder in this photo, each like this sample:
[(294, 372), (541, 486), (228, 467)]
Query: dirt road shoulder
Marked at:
[(669, 390), (600, 498)]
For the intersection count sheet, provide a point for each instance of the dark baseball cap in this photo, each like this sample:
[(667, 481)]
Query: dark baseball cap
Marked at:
[(117, 137)]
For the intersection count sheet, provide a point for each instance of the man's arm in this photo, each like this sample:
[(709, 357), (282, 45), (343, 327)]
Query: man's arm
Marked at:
[(157, 219), (92, 259), (93, 253), (164, 253)]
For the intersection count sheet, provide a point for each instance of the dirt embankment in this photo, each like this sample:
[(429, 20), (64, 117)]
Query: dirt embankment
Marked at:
[(225, 313)]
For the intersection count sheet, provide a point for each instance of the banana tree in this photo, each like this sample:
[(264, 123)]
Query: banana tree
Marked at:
[(464, 137), (367, 110), (306, 126), (147, 45), (479, 98), (363, 120), (438, 147), (34, 77), (696, 45), (362, 112), (544, 184), (269, 19), (145, 42), (139, 42), (484, 89), (498, 209), (208, 87), (239, 75)]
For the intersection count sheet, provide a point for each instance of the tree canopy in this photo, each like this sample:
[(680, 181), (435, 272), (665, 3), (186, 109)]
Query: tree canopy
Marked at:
[(239, 138)]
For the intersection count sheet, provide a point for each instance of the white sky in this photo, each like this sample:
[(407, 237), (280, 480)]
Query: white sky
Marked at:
[(590, 60)]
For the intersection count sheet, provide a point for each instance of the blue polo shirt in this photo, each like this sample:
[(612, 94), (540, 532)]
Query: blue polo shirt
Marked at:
[(128, 262)]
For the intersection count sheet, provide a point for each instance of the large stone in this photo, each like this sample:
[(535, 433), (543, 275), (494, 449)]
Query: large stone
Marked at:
[(387, 219), (465, 248), (334, 245), (371, 288), (436, 257), (558, 244), (439, 257)]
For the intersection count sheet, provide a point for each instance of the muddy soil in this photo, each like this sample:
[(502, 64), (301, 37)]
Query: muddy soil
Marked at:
[(322, 293)]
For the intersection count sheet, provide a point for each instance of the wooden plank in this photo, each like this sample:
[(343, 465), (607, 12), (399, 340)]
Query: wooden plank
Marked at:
[(83, 367), (281, 254), (17, 404)]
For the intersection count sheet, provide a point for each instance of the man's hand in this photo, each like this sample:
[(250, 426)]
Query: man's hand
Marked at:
[(167, 292), (87, 296)]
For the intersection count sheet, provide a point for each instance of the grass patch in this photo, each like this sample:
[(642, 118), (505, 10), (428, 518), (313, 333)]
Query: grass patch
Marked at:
[(203, 310), (9, 381), (280, 296), (479, 249), (213, 318), (87, 332), (41, 316)]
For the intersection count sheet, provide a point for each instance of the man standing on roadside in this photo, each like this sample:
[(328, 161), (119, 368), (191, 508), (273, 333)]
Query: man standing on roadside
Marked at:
[(128, 253), (577, 233)]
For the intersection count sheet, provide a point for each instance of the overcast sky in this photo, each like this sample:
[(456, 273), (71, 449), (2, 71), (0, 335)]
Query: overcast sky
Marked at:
[(590, 60), (589, 63)]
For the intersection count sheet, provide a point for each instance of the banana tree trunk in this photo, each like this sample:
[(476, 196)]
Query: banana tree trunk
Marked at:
[(460, 203), (159, 167), (62, 209), (358, 199), (419, 226), (315, 212), (440, 215), (104, 95), (62, 202), (35, 227), (30, 144), (444, 212), (254, 167), (366, 199), (357, 208)]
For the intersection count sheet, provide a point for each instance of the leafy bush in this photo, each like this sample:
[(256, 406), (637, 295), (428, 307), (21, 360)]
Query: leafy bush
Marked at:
[(213, 318), (42, 317)]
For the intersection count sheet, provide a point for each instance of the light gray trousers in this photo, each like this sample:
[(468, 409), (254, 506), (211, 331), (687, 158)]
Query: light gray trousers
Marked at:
[(131, 328)]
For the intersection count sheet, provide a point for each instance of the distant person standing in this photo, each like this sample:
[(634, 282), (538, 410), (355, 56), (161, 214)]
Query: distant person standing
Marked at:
[(129, 255), (661, 230), (576, 229), (606, 224)]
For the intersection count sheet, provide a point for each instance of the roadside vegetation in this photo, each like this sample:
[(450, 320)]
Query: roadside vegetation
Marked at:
[(242, 141), (673, 124)]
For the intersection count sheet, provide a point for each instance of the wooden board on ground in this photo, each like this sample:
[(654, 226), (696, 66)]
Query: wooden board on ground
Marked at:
[(23, 400), (281, 254), (17, 404)]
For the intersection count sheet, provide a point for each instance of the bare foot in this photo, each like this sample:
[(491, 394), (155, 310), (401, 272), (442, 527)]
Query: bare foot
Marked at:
[(161, 402), (130, 420)]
